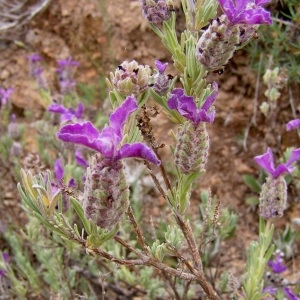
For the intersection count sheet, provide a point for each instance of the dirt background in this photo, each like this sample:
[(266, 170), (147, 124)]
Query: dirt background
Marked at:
[(102, 34)]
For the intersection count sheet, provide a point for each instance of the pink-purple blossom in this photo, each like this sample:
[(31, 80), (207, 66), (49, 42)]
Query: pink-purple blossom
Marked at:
[(187, 107), (107, 141), (266, 161), (246, 11), (67, 114)]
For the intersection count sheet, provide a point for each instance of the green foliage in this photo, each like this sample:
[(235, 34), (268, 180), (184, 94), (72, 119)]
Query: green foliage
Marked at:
[(279, 44)]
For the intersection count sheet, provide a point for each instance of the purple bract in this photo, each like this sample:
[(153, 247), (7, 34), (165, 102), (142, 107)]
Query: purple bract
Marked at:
[(266, 161), (277, 264), (58, 170), (246, 11), (161, 67), (110, 137), (4, 95), (67, 114), (290, 294), (293, 124), (186, 106)]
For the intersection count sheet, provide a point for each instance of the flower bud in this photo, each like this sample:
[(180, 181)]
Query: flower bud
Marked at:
[(156, 11), (273, 198), (106, 193), (13, 128), (131, 78), (191, 151)]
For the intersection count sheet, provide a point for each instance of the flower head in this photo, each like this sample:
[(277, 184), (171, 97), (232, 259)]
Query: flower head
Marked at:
[(293, 124), (161, 80), (131, 78), (156, 11), (108, 140), (67, 114), (186, 106), (266, 161), (246, 11)]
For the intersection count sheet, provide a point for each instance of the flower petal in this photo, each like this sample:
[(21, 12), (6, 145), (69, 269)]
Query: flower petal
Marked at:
[(57, 108), (185, 105), (83, 134), (293, 124), (160, 66), (58, 170), (211, 98), (80, 159), (120, 115), (80, 109), (266, 161), (138, 150)]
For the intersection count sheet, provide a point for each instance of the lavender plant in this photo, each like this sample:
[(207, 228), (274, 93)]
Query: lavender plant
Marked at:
[(105, 199)]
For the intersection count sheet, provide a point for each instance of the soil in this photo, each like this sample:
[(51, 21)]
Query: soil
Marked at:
[(102, 34)]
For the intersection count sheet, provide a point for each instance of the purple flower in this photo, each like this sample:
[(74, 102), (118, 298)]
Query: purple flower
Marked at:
[(160, 66), (293, 124), (290, 294), (6, 259), (246, 11), (108, 140), (34, 58), (277, 264), (4, 95), (186, 106), (67, 114), (66, 63), (65, 71), (266, 161)]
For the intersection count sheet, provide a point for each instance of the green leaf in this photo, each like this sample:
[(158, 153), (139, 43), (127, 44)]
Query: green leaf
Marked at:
[(252, 201), (252, 183), (79, 210)]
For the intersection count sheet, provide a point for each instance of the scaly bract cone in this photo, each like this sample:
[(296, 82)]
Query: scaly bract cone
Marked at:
[(106, 193), (192, 146), (273, 196)]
